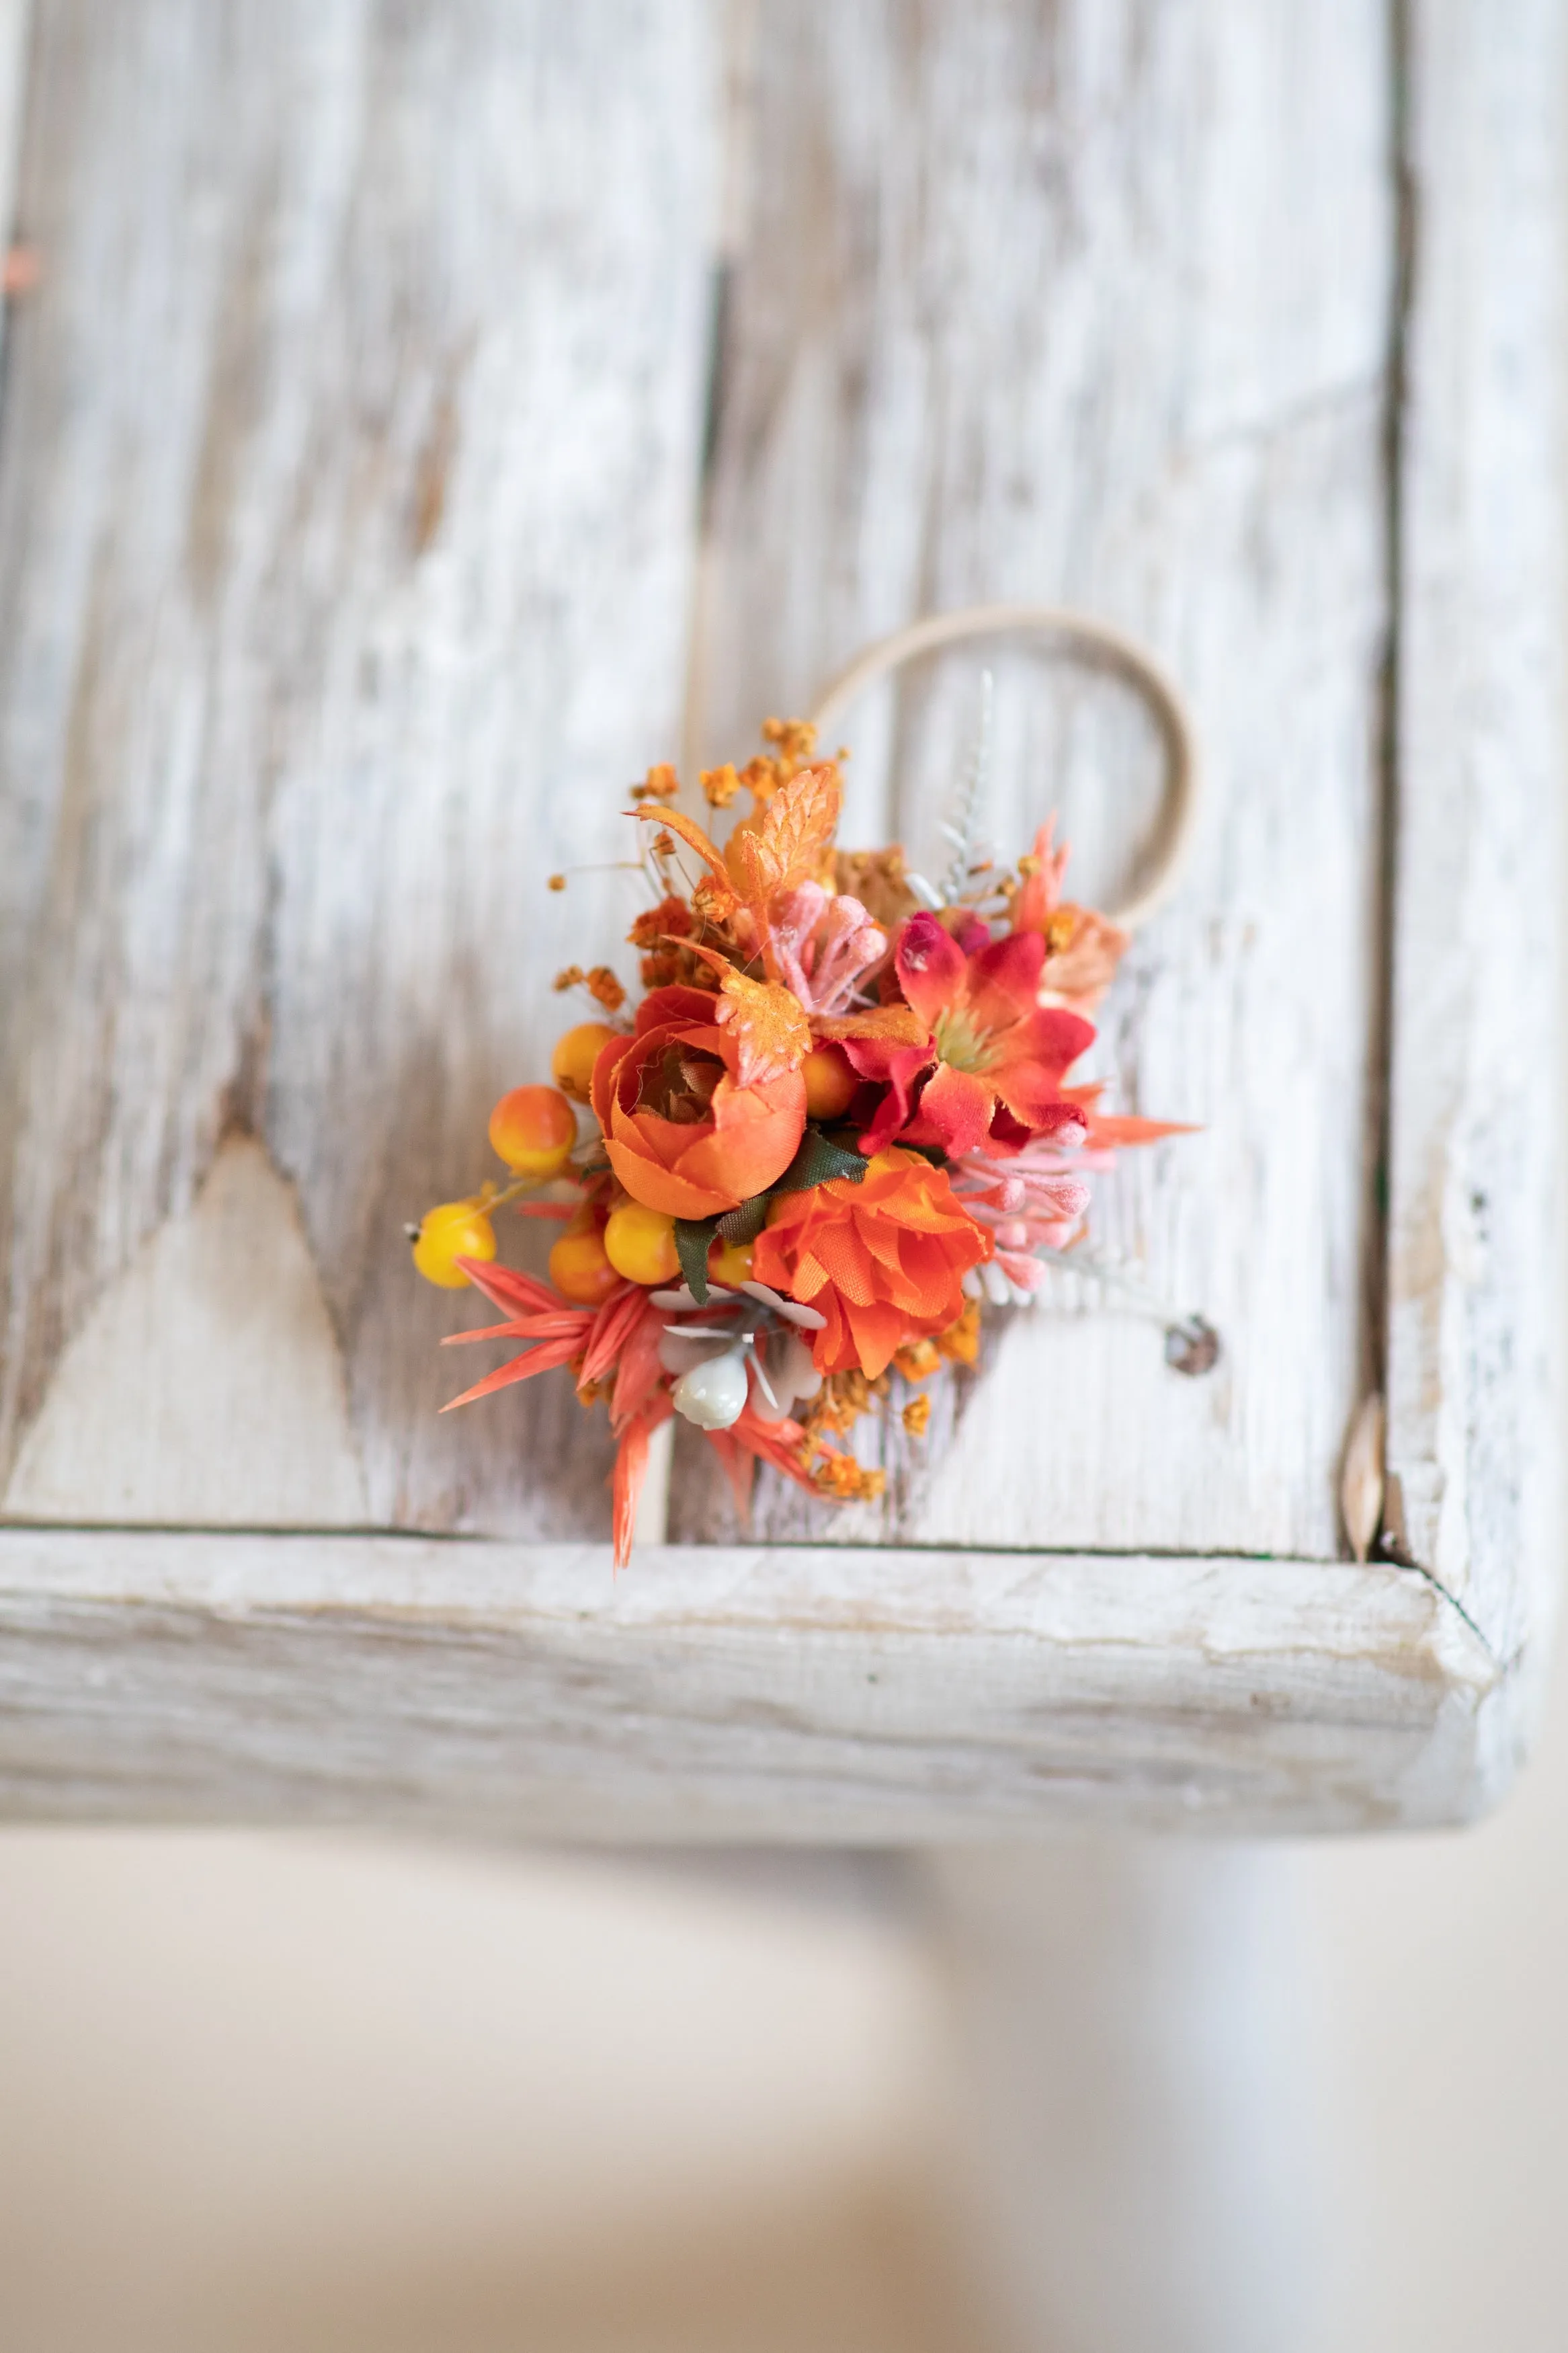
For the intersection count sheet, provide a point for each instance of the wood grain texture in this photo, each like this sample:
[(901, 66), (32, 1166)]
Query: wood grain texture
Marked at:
[(1475, 1290), (241, 1415), (346, 484), (827, 1694), (1092, 304)]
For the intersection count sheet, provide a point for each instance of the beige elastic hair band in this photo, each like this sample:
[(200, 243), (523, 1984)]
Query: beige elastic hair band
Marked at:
[(1095, 642)]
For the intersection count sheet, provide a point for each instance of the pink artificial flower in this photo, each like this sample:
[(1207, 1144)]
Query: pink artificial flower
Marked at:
[(1033, 1201), (825, 946)]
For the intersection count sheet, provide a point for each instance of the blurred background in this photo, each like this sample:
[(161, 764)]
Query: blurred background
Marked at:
[(322, 2093)]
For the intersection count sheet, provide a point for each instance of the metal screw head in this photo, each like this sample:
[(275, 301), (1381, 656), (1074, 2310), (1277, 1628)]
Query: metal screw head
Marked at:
[(1192, 1347)]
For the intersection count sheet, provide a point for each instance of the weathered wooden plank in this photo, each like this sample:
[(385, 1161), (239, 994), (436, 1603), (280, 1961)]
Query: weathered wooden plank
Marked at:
[(828, 1694), (1475, 1294), (1092, 305), (346, 483)]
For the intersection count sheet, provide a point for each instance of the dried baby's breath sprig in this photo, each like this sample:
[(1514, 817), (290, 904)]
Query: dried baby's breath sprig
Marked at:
[(960, 1343), (600, 982), (660, 784), (604, 988), (845, 1481)]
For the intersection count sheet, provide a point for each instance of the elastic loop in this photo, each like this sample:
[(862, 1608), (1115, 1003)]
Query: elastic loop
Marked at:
[(1096, 642)]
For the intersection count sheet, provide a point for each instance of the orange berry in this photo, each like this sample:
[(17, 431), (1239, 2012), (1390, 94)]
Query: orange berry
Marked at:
[(640, 1244), (572, 1063), (452, 1230), (580, 1266), (830, 1084), (533, 1129), (730, 1263)]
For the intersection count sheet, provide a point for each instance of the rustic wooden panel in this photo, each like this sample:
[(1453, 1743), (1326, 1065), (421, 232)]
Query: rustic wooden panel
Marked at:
[(1092, 304), (346, 485), (347, 476), (1475, 1437), (823, 1695)]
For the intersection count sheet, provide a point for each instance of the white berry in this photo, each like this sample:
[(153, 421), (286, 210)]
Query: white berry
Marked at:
[(712, 1394)]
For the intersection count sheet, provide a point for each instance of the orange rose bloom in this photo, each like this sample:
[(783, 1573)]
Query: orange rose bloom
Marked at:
[(883, 1260), (682, 1133)]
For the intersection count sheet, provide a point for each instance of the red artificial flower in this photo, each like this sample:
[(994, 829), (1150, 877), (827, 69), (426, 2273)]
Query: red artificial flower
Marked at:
[(991, 1070)]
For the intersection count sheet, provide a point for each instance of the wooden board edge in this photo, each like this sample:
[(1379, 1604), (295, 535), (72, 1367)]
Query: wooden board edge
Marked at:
[(1474, 1291), (730, 1694)]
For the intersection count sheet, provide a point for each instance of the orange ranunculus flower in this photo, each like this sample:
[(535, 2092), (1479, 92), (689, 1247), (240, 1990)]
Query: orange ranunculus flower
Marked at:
[(883, 1260), (684, 1134)]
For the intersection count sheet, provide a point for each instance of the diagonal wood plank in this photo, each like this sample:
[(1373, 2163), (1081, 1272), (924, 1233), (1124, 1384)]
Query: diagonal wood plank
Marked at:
[(1093, 305), (346, 494)]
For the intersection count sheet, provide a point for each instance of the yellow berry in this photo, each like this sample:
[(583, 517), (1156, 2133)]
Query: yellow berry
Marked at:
[(452, 1230), (730, 1263), (579, 1267), (572, 1063), (640, 1244), (533, 1129), (830, 1084)]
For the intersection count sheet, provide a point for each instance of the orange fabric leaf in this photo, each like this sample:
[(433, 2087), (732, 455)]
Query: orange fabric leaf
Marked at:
[(543, 1358), (690, 832), (738, 1465), (504, 1286), (775, 1442), (639, 1372), (718, 898), (767, 1024), (630, 1470), (893, 1024), (788, 843), (613, 1326)]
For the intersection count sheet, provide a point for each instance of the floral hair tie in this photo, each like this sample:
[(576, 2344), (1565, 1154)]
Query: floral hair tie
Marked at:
[(840, 1122)]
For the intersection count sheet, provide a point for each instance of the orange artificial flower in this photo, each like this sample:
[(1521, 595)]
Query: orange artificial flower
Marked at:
[(883, 1260), (687, 1127)]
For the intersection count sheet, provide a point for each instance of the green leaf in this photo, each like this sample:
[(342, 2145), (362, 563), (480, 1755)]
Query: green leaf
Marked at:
[(694, 1238), (818, 1161), (744, 1225)]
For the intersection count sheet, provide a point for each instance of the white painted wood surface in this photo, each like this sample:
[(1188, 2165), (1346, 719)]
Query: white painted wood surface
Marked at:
[(348, 510), (347, 476), (1092, 304), (834, 1696), (1476, 1298)]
